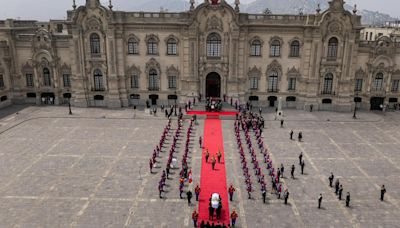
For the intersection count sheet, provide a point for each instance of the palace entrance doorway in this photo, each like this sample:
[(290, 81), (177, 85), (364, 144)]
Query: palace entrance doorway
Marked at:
[(213, 85)]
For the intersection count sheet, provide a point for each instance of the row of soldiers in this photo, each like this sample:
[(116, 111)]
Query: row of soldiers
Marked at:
[(170, 157), (184, 174), (158, 148)]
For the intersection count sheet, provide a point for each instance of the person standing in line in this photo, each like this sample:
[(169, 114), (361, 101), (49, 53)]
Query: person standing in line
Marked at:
[(219, 155), (213, 161), (337, 184), (234, 216), (282, 170), (264, 195), (260, 110), (292, 171), (195, 217), (348, 199), (300, 137), (302, 167), (282, 122), (286, 195), (207, 155), (331, 180), (383, 191), (231, 190), (197, 192), (319, 201), (291, 135), (200, 141), (300, 157), (210, 213), (340, 192)]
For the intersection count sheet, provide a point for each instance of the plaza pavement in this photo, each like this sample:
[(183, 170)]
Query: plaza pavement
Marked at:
[(91, 170)]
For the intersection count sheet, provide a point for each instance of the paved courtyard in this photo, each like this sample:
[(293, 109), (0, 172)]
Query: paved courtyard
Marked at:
[(91, 170)]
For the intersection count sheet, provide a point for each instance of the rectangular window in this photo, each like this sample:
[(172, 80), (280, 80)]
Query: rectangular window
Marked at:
[(135, 81), (273, 84), (213, 49), (133, 48), (29, 80), (292, 84), (59, 28), (98, 83), (395, 85), (172, 82), (275, 50), (67, 80), (1, 81), (358, 86), (255, 50), (254, 83), (171, 49), (152, 49), (377, 84)]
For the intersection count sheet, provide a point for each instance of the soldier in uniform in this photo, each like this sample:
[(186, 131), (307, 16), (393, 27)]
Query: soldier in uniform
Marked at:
[(213, 161), (197, 192), (234, 216), (331, 180), (348, 199), (231, 190), (219, 155), (207, 155), (195, 217)]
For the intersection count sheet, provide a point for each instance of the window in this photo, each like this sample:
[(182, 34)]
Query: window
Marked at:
[(273, 82), (292, 84), (395, 85), (171, 47), (29, 80), (1, 81), (67, 80), (59, 28), (256, 48), (377, 84), (359, 84), (333, 48), (135, 81), (133, 46), (95, 44), (98, 80), (152, 46), (172, 82), (295, 49), (46, 77), (328, 84), (213, 45), (254, 83), (275, 49), (153, 80)]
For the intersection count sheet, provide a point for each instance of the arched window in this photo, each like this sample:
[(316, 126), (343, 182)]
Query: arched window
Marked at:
[(378, 82), (152, 46), (98, 80), (328, 84), (333, 48), (133, 46), (95, 44), (256, 48), (213, 45), (46, 77), (172, 47), (295, 49), (134, 81), (275, 48), (153, 80), (273, 81)]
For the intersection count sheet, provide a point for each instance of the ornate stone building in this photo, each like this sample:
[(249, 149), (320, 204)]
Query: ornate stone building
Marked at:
[(102, 57)]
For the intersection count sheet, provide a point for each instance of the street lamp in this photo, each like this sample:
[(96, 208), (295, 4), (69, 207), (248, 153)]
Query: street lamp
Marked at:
[(175, 103)]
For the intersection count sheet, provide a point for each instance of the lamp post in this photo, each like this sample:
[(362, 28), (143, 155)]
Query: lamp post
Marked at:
[(175, 103), (69, 105)]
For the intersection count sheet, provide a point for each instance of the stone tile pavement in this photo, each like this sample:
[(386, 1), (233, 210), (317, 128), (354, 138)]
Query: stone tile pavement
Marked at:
[(91, 170)]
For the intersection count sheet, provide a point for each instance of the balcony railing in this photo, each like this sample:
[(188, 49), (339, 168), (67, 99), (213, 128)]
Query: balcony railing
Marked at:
[(98, 89), (153, 88)]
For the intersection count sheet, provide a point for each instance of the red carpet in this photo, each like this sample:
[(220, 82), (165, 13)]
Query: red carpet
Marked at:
[(213, 181), (211, 113)]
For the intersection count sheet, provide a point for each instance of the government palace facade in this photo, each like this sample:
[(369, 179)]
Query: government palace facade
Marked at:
[(101, 57)]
